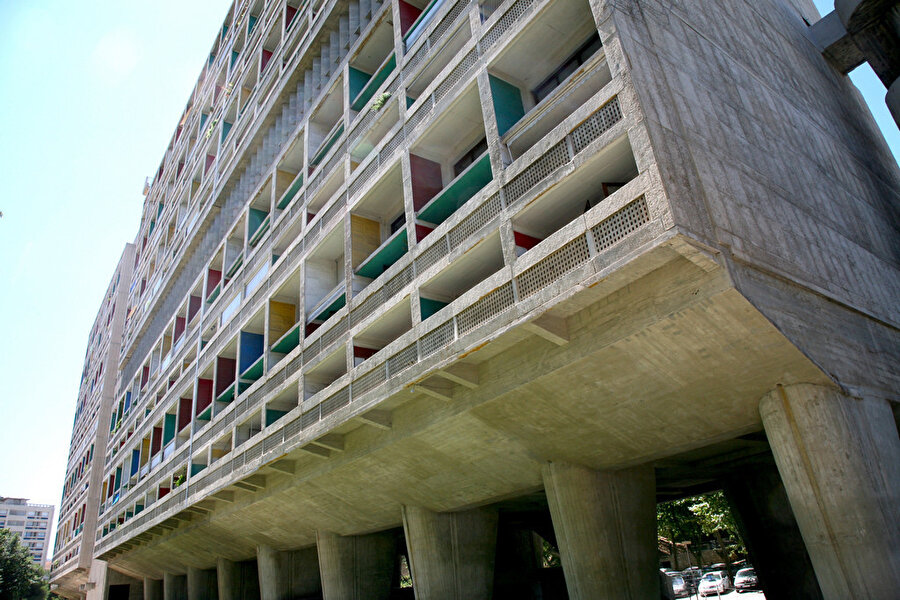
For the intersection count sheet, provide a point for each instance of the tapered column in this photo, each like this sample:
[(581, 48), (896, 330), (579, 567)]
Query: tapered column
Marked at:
[(153, 589), (228, 579), (274, 573), (174, 587), (605, 524), (839, 459), (356, 567), (451, 554), (201, 584)]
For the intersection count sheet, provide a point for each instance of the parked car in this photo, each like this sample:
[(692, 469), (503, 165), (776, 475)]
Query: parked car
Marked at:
[(746, 580), (679, 585), (692, 577), (714, 582)]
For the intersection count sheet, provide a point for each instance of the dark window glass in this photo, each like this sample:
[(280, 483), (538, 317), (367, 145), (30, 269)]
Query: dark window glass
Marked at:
[(469, 157), (568, 66)]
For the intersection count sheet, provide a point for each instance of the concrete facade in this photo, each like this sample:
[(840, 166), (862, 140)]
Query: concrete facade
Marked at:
[(439, 288)]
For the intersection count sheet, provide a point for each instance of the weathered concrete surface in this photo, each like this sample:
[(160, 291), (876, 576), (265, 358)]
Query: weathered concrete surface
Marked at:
[(451, 555), (288, 574), (358, 567), (175, 586), (153, 589), (202, 584), (605, 523), (839, 458)]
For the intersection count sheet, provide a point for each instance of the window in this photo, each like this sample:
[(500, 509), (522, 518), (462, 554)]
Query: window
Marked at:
[(569, 66), (469, 157)]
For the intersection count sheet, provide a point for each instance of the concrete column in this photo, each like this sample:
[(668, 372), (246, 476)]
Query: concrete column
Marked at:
[(274, 573), (763, 512), (451, 555), (228, 579), (201, 584), (153, 589), (605, 524), (839, 459), (174, 587), (356, 567)]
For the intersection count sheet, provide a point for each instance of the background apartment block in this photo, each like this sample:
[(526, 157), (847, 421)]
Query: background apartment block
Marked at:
[(432, 284), (80, 500), (31, 522)]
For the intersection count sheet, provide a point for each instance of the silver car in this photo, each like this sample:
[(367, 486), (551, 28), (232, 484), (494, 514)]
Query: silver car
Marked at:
[(746, 579), (714, 582)]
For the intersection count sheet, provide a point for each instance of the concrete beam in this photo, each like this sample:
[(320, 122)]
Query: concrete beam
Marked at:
[(839, 459), (553, 329), (376, 418), (461, 373), (283, 466), (605, 524), (444, 394), (224, 496), (451, 554), (357, 567), (228, 579), (317, 451), (331, 441)]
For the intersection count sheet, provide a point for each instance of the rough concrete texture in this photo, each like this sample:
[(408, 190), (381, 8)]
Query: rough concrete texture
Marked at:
[(202, 584), (175, 586), (153, 589), (839, 458), (451, 555), (290, 574), (358, 567), (768, 154), (605, 523)]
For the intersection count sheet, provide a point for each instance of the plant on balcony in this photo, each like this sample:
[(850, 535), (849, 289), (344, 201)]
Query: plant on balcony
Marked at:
[(380, 101)]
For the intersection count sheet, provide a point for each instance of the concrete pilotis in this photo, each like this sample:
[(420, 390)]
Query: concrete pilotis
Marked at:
[(228, 577), (839, 459), (274, 573), (605, 524), (201, 584), (153, 589), (358, 567), (174, 587), (451, 554)]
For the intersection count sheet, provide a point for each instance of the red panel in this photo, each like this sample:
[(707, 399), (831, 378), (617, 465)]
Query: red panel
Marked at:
[(225, 373), (179, 327), (266, 55), (426, 180), (155, 441), (163, 491), (210, 159), (145, 375), (408, 16), (212, 281), (310, 328), (193, 307), (525, 241), (289, 13), (204, 394), (422, 231), (184, 412), (360, 352)]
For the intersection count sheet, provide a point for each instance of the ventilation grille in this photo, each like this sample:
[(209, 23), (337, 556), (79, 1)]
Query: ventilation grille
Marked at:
[(335, 401), (623, 222), (403, 359), (475, 221), (368, 382), (456, 75), (436, 339), (553, 267), (596, 125), (431, 255), (534, 173), (505, 22), (336, 332), (485, 309)]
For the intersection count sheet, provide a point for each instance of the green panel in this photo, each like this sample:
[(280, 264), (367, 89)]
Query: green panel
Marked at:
[(203, 118), (234, 57), (251, 23), (507, 103), (254, 371), (255, 218), (410, 101), (138, 508), (226, 127), (366, 94), (357, 80), (168, 429), (291, 192), (288, 341), (458, 192), (260, 231), (227, 395), (195, 468), (273, 415), (214, 294), (385, 256), (429, 307), (332, 308), (206, 415)]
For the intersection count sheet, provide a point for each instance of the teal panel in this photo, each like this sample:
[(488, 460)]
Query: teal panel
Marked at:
[(507, 103), (234, 57), (366, 94), (357, 80), (429, 307), (251, 23), (291, 192), (458, 192), (385, 256), (168, 429), (255, 218), (227, 395), (273, 415), (195, 468), (226, 127), (324, 148)]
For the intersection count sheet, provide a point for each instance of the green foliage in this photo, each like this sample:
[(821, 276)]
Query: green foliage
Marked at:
[(380, 101), (698, 518), (20, 578)]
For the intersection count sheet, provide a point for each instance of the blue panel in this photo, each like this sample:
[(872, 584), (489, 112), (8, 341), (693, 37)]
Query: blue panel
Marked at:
[(251, 349)]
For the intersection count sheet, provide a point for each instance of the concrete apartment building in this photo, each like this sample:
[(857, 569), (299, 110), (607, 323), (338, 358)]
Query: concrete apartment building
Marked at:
[(74, 546), (435, 285), (31, 522)]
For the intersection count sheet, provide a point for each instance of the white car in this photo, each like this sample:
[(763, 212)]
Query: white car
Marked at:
[(714, 582)]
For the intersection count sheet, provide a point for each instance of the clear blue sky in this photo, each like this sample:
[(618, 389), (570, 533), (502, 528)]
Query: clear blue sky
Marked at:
[(91, 92)]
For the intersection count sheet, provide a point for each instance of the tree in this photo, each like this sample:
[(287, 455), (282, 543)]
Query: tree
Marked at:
[(714, 516), (677, 523), (20, 578)]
